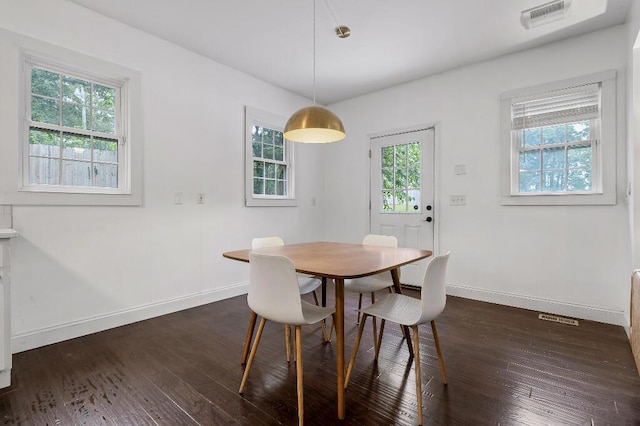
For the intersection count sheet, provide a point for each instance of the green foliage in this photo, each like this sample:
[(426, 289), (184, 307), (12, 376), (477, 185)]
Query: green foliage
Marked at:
[(401, 168)]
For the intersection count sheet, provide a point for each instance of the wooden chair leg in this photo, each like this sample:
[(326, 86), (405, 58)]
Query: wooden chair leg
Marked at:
[(247, 340), (254, 349), (440, 359), (352, 361), (416, 351), (378, 343), (300, 385), (287, 342), (375, 320), (359, 307)]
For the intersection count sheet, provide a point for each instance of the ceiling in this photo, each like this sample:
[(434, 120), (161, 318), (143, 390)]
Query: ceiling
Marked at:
[(391, 42)]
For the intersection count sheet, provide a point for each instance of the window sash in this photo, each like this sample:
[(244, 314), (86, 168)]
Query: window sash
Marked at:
[(32, 62)]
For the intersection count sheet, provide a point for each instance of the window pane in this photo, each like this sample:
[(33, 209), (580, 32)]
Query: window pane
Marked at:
[(531, 137), (270, 187), (76, 147), (401, 178), (530, 160), (258, 186), (77, 173), (104, 122), (281, 172), (256, 134), (258, 169), (45, 110), (529, 181), (414, 200), (280, 188), (387, 179), (400, 201), (553, 180), (579, 180), (401, 155), (105, 175), (414, 178), (387, 201), (44, 171), (270, 171), (387, 156), (44, 143), (580, 131), (414, 154), (267, 152), (553, 134), (76, 91), (104, 98), (579, 156), (267, 135), (278, 139), (75, 116), (553, 158), (105, 150), (45, 83), (278, 153)]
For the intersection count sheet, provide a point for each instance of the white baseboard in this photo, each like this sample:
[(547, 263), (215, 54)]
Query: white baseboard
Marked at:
[(58, 333), (573, 310)]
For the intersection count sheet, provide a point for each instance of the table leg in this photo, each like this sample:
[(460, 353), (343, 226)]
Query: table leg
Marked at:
[(398, 288), (339, 322), (324, 291)]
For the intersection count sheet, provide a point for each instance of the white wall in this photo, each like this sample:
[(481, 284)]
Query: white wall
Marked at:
[(570, 260), (81, 269)]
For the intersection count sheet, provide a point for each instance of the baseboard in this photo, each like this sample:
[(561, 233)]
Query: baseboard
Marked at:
[(58, 333), (573, 310)]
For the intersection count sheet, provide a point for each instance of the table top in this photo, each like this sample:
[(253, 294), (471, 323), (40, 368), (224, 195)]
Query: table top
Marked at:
[(339, 260)]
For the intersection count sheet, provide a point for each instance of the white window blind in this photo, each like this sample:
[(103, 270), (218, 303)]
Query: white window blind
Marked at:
[(580, 103)]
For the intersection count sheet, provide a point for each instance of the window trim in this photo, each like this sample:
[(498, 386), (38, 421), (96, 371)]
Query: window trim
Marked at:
[(605, 164), (31, 61), (256, 116), (13, 48)]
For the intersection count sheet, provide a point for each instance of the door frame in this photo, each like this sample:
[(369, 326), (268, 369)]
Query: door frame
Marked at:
[(436, 174)]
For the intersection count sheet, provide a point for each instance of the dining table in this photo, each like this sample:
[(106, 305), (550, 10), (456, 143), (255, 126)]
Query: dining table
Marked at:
[(341, 261)]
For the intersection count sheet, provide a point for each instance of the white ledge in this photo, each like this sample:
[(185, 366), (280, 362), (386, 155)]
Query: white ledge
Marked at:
[(8, 233)]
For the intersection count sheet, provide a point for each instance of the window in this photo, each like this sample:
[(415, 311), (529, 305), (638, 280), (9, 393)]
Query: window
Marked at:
[(74, 131), (560, 143), (75, 137), (269, 161), (401, 178)]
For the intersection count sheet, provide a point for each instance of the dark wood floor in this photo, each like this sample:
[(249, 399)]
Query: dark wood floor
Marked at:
[(505, 367)]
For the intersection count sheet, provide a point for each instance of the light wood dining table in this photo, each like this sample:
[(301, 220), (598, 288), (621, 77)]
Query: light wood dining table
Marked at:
[(340, 261)]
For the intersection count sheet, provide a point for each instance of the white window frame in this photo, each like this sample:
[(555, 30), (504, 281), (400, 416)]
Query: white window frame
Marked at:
[(604, 151), (18, 52), (254, 116), (33, 61)]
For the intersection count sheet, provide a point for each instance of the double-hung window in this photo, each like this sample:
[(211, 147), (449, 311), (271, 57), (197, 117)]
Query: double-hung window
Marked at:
[(560, 144), (269, 161), (74, 132)]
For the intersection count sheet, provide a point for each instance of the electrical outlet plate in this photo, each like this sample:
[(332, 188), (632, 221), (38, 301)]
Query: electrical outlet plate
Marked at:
[(458, 200)]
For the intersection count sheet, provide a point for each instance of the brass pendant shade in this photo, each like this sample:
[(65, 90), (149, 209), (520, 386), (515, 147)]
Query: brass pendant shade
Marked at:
[(314, 124)]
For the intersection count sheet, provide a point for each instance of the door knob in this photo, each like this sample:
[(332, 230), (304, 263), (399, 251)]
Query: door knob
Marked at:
[(429, 219)]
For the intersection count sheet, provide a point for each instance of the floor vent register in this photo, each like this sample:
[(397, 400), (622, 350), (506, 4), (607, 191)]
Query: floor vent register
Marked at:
[(554, 318)]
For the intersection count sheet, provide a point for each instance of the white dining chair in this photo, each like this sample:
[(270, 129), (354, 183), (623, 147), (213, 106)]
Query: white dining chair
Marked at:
[(409, 311), (306, 285), (372, 283), (274, 295)]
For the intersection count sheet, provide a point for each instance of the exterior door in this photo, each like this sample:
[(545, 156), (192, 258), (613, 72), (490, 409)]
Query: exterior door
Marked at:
[(402, 192)]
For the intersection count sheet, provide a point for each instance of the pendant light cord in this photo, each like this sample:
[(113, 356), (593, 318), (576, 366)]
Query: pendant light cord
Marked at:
[(314, 52)]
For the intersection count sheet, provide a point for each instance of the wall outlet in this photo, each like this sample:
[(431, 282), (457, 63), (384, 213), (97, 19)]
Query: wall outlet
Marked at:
[(458, 200), (178, 198), (201, 198)]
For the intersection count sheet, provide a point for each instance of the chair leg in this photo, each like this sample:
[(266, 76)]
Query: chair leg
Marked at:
[(254, 349), (378, 343), (375, 320), (352, 361), (435, 338), (299, 380), (315, 298), (247, 340), (287, 341), (416, 351), (359, 307)]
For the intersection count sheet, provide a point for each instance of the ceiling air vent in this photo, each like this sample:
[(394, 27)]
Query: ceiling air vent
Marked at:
[(545, 13)]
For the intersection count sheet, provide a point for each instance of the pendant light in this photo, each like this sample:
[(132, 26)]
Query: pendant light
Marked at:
[(314, 124)]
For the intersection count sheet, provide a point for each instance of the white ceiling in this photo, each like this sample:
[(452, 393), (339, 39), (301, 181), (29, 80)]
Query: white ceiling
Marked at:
[(392, 41)]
